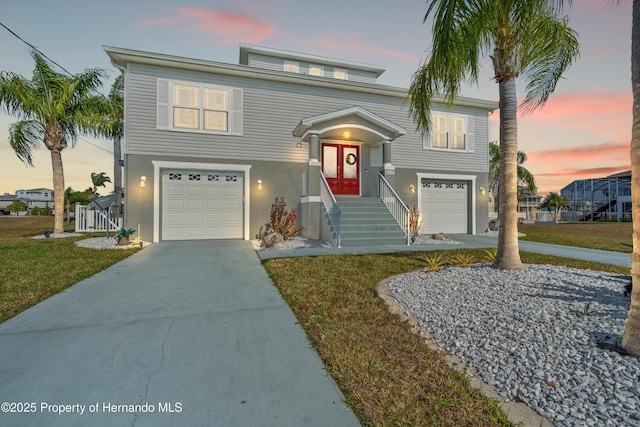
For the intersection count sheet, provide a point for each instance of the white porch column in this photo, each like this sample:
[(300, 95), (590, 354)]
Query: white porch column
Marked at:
[(388, 170), (310, 204)]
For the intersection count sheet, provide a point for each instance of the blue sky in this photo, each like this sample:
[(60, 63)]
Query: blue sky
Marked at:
[(582, 132)]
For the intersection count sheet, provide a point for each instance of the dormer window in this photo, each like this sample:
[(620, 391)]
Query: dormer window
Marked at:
[(291, 66), (340, 73), (316, 70)]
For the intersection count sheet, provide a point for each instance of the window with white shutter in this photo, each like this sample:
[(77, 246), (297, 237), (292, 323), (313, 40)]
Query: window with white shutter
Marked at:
[(193, 107), (451, 132)]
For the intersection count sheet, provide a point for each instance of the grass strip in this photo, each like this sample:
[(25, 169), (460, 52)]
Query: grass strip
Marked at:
[(387, 373), (32, 270)]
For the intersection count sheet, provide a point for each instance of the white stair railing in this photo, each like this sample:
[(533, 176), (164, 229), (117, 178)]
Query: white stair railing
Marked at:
[(394, 203), (330, 206)]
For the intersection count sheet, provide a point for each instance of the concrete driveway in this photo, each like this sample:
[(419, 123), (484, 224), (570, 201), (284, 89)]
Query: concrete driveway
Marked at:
[(180, 334)]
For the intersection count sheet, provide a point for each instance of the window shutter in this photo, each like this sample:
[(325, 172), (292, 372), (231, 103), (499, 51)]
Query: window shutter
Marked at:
[(162, 114), (471, 130), (426, 139), (235, 112)]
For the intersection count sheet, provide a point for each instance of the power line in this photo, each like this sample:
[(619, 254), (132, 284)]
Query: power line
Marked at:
[(36, 49)]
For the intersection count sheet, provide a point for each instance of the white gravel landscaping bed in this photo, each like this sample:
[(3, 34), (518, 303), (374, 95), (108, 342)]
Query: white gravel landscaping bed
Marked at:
[(292, 243), (521, 331)]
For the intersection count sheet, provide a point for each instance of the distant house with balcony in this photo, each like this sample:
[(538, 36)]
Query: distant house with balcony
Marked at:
[(528, 204), (599, 199), (35, 197)]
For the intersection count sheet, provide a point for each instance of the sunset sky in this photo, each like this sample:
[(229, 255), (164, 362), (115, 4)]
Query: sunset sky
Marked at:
[(582, 132)]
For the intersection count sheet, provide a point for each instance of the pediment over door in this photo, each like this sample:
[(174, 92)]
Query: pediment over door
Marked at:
[(361, 125)]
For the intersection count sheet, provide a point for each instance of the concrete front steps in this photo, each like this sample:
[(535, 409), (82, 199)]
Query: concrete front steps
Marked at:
[(366, 221)]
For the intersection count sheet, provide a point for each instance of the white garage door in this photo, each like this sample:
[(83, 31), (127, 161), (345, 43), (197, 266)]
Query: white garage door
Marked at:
[(444, 206), (202, 205)]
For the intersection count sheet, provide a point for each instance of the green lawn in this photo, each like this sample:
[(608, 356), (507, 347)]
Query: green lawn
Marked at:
[(387, 373), (609, 236), (34, 269)]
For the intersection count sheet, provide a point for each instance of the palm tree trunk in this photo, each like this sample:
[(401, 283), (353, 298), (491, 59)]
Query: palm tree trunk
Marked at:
[(58, 191), (117, 173), (508, 255), (631, 335)]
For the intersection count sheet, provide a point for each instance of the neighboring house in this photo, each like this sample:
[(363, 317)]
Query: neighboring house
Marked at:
[(528, 204), (36, 197), (5, 200), (208, 147), (605, 199)]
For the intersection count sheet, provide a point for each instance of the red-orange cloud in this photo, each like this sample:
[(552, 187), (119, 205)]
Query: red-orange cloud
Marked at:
[(232, 28), (608, 150), (607, 114)]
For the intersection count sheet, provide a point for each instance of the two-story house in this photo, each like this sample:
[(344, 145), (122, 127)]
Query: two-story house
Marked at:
[(208, 147)]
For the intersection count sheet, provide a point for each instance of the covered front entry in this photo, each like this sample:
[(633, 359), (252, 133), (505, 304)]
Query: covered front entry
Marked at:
[(445, 206), (202, 205), (340, 165)]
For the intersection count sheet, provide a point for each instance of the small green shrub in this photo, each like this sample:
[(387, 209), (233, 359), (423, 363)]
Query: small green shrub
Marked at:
[(124, 233), (490, 255), (462, 260), (35, 211), (434, 262)]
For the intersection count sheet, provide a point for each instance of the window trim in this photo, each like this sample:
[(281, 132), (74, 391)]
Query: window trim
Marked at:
[(344, 70), (427, 140), (319, 67), (293, 64), (201, 108)]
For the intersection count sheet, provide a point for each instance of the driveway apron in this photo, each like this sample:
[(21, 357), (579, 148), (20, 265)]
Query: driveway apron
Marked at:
[(181, 334)]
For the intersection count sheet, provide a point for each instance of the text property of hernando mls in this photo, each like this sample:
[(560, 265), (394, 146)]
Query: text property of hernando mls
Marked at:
[(98, 407)]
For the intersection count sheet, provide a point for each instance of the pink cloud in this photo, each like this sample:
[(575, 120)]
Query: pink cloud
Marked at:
[(608, 150), (233, 28)]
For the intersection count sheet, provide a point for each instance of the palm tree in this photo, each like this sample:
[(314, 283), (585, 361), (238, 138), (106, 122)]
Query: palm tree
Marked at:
[(555, 201), (112, 127), (523, 38), (631, 334), (99, 180), (524, 176), (52, 109)]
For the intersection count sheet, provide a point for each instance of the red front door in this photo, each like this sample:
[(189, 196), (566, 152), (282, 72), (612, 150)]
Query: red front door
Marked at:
[(341, 168)]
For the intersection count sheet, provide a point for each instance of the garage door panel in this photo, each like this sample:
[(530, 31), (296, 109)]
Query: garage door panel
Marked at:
[(202, 205), (444, 206), (195, 191)]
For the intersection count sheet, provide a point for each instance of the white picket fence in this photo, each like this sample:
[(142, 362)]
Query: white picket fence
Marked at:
[(96, 220)]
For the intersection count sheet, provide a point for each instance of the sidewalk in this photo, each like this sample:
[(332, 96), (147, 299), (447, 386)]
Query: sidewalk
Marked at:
[(468, 241)]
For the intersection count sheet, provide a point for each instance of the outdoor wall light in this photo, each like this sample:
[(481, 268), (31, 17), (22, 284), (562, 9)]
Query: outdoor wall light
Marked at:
[(412, 188), (259, 184), (143, 181), (299, 144), (482, 190)]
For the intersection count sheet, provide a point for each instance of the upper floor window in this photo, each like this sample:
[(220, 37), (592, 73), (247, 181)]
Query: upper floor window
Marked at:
[(316, 70), (340, 73), (291, 66), (451, 132), (195, 107)]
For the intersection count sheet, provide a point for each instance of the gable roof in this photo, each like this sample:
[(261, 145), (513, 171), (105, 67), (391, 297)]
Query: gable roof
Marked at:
[(372, 122)]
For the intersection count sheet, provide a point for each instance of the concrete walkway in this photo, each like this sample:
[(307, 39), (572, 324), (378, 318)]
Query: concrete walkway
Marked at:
[(193, 333), (467, 241)]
